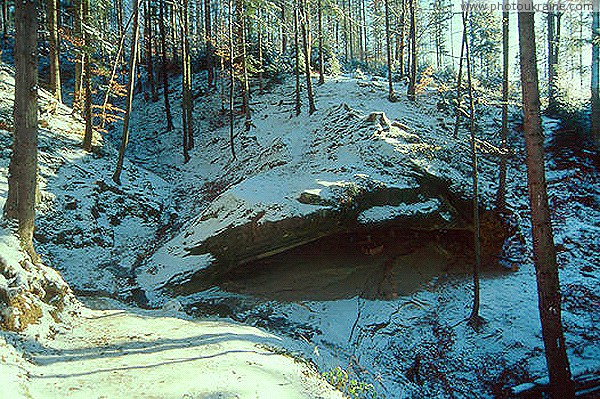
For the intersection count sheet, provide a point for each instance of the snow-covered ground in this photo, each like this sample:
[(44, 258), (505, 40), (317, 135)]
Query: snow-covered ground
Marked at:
[(415, 344)]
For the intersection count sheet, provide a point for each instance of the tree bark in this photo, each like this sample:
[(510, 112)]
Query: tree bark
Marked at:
[(501, 195), (22, 171), (413, 48), (148, 37), (306, 47), (54, 45), (130, 86), (186, 102), (210, 48), (549, 300), (388, 44), (595, 83), (165, 74), (87, 109), (321, 57), (79, 56), (298, 105)]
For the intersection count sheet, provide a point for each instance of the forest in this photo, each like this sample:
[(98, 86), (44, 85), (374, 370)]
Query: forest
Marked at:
[(299, 199)]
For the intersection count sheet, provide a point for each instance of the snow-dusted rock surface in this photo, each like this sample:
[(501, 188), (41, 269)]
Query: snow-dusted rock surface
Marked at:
[(344, 171)]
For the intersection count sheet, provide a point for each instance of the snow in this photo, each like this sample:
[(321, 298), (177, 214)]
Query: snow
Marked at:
[(388, 212)]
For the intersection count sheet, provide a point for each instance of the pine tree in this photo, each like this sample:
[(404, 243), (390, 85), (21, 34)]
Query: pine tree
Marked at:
[(22, 171), (544, 252)]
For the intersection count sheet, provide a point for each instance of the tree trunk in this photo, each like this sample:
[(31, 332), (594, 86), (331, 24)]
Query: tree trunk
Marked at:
[(402, 38), (240, 34), (388, 44), (595, 84), (79, 56), (210, 61), (283, 33), (552, 60), (321, 57), (54, 45), (413, 48), (87, 109), (298, 105), (130, 86), (186, 101), (501, 195), (306, 47), (259, 30), (148, 36), (231, 78), (165, 75), (459, 83), (544, 252), (474, 319), (22, 171)]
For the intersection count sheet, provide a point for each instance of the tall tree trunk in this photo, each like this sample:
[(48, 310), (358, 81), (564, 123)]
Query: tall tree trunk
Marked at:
[(240, 34), (54, 44), (210, 47), (231, 78), (459, 83), (595, 83), (165, 75), (402, 38), (474, 319), (4, 22), (87, 109), (501, 195), (283, 33), (22, 171), (259, 30), (298, 105), (148, 36), (186, 102), (388, 44), (413, 49), (306, 47), (79, 56), (552, 59), (544, 252), (321, 57), (130, 86)]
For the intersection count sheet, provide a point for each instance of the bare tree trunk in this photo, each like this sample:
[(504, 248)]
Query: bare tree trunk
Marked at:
[(22, 171), (321, 58), (388, 44), (186, 102), (240, 33), (79, 57), (402, 38), (260, 48), (210, 47), (413, 48), (297, 64), (474, 319), (595, 83), (459, 84), (148, 36), (283, 33), (87, 109), (543, 243), (501, 195), (130, 86), (231, 78), (54, 44), (552, 18), (306, 46), (165, 76)]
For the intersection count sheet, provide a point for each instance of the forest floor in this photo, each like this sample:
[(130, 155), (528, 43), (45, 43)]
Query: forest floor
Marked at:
[(416, 344)]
